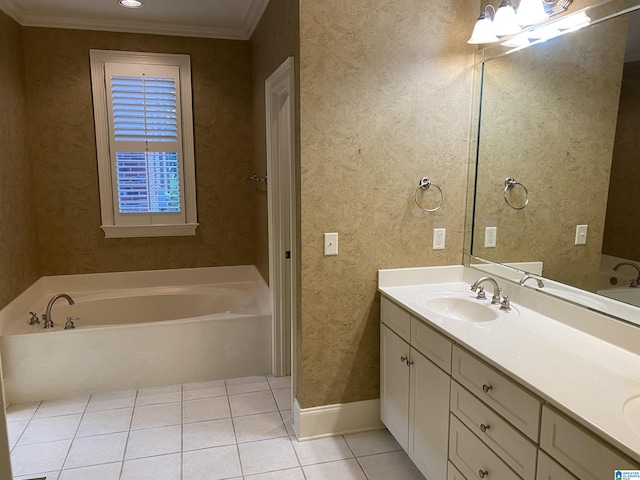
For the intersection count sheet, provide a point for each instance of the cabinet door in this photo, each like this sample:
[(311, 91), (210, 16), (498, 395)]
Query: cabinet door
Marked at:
[(394, 385), (428, 417), (577, 450), (550, 470)]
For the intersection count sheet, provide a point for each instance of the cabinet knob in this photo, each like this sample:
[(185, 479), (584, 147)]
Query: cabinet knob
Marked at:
[(483, 473), (409, 362), (403, 359), (484, 427), (486, 388)]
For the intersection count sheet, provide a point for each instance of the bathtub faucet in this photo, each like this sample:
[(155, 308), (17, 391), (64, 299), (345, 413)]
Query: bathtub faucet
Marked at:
[(48, 321), (635, 283)]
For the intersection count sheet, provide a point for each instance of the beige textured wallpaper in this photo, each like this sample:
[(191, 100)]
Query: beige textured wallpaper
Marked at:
[(549, 115), (19, 265), (63, 155), (273, 41), (384, 100), (622, 228)]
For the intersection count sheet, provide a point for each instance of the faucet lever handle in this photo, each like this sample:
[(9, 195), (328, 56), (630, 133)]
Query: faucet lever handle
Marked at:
[(69, 324), (505, 304), (495, 300), (34, 320)]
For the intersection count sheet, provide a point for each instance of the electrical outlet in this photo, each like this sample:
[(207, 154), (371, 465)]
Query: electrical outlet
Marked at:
[(330, 243), (490, 236), (581, 234), (438, 238)]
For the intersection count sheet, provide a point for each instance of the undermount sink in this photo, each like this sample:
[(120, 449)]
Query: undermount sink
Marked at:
[(461, 306), (632, 413)]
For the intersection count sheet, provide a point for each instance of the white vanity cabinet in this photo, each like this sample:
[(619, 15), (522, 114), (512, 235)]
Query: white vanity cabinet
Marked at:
[(414, 398), (459, 418)]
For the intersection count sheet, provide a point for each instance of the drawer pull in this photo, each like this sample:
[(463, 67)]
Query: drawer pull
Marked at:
[(484, 427), (486, 388), (483, 473)]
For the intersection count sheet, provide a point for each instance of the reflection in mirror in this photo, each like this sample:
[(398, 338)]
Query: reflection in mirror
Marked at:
[(561, 119)]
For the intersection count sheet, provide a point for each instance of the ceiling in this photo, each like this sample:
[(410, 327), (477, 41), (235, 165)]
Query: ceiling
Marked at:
[(229, 19)]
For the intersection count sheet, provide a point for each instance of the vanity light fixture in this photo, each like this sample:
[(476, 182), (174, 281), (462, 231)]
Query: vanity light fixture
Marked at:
[(483, 32), (531, 12), (504, 21), (509, 20), (570, 23), (131, 3)]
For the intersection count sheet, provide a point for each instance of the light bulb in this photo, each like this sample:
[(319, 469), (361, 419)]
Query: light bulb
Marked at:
[(504, 22), (483, 31), (531, 12)]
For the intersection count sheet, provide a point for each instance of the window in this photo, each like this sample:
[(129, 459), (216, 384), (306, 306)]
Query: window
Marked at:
[(144, 138)]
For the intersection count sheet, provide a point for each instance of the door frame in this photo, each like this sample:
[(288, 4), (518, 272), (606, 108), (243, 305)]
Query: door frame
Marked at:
[(281, 84)]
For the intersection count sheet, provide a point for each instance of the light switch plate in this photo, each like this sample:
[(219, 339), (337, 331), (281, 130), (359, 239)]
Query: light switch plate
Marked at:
[(490, 236), (581, 234), (330, 243)]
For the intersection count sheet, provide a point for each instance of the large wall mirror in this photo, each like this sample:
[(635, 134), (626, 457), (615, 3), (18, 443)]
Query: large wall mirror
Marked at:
[(560, 119)]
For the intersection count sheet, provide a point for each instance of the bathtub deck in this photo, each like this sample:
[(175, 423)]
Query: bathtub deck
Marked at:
[(229, 429)]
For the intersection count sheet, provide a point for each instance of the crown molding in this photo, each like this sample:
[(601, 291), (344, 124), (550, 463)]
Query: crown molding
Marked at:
[(253, 17), (152, 28), (13, 10)]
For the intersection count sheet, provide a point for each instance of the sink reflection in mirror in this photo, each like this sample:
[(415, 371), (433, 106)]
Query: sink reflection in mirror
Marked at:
[(560, 117), (463, 306)]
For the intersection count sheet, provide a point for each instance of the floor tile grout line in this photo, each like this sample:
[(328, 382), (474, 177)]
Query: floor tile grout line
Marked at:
[(25, 428), (126, 443), (66, 457), (235, 434)]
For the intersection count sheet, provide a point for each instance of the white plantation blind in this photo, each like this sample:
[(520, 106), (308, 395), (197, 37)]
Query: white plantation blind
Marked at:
[(144, 139), (145, 146), (144, 109)]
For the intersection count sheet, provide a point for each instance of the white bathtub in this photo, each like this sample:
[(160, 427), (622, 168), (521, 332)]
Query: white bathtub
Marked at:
[(136, 330)]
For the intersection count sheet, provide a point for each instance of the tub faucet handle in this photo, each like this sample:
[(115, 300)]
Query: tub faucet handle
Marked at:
[(69, 324), (34, 320)]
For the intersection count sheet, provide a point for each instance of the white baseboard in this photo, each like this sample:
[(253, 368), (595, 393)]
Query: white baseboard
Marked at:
[(338, 419)]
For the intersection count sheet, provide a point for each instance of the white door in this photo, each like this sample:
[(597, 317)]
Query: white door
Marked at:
[(280, 111)]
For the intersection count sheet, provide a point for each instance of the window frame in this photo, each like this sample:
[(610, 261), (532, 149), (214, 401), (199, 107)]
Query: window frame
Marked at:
[(146, 228)]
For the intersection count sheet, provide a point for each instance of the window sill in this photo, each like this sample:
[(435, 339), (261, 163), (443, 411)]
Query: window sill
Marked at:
[(134, 231)]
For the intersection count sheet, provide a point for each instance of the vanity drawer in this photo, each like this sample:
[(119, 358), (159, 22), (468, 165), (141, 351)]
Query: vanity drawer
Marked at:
[(453, 473), (507, 398), (473, 458), (396, 318), (548, 469), (579, 451), (511, 446), (431, 344)]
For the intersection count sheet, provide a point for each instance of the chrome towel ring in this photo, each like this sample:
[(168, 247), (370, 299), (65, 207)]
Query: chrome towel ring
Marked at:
[(425, 184), (511, 183)]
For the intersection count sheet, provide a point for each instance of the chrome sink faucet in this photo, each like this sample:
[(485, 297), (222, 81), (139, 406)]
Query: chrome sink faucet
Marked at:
[(48, 321), (495, 300), (634, 283), (528, 277), (496, 289)]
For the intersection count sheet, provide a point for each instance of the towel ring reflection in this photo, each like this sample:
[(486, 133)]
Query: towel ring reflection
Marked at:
[(425, 184), (511, 183)]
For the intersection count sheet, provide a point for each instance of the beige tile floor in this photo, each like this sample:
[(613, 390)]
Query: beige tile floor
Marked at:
[(234, 429)]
